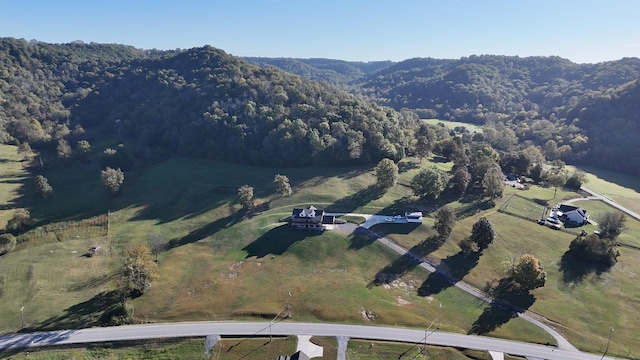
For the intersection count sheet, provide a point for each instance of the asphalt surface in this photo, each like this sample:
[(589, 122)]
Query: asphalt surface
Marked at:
[(535, 319), (202, 329)]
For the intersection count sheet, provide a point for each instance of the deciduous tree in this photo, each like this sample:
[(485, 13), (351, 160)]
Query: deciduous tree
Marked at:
[(7, 243), (445, 221), (43, 189), (83, 149), (20, 220), (138, 270), (576, 179), (112, 180), (282, 185), (429, 183), (611, 224), (24, 149), (528, 272), (245, 193), (63, 149), (386, 173), (460, 180), (492, 183), (592, 248)]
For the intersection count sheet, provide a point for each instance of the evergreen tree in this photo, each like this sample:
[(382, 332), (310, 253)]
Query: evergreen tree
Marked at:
[(482, 233)]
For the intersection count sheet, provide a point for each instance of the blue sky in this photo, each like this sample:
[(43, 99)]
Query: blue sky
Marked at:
[(584, 31)]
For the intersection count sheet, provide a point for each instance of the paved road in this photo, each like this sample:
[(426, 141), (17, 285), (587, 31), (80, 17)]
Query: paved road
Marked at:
[(611, 202), (535, 319), (202, 329)]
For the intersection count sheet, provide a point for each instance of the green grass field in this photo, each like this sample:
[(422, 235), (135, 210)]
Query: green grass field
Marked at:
[(622, 188), (242, 348), (222, 263), (453, 124)]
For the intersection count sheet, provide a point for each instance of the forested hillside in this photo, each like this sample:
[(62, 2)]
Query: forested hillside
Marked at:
[(203, 102), (580, 113), (199, 102), (334, 72)]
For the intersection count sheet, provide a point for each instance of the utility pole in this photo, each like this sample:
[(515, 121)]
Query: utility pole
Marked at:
[(22, 315), (608, 341)]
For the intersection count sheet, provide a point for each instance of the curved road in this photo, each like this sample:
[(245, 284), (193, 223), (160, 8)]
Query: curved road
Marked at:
[(202, 329), (371, 220), (597, 196)]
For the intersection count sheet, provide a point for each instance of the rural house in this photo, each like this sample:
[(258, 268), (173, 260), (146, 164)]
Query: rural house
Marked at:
[(310, 218), (572, 214)]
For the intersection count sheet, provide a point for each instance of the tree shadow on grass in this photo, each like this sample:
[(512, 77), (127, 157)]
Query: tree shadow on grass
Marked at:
[(575, 270), (405, 166), (510, 300), (450, 271), (350, 203), (402, 205), (407, 262), (362, 237), (277, 241), (81, 315), (473, 208), (207, 230)]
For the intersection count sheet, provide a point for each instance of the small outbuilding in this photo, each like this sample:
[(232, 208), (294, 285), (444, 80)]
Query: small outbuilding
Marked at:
[(414, 217)]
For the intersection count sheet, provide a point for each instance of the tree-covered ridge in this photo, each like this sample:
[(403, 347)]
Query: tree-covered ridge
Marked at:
[(470, 88), (611, 120), (334, 72), (39, 82), (199, 102)]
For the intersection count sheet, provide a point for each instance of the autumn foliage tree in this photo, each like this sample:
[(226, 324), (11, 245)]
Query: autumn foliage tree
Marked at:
[(283, 187), (528, 272), (138, 270), (245, 193), (112, 180)]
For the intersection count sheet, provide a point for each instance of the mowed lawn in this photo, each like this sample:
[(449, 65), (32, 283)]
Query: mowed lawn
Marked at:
[(12, 178), (224, 263), (622, 188)]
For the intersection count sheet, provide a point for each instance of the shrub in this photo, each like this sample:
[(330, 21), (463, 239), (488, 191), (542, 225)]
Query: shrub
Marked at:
[(20, 220), (592, 248), (7, 243)]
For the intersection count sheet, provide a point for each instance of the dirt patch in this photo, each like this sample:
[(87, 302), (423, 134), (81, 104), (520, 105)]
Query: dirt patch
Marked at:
[(402, 302), (406, 286), (367, 315)]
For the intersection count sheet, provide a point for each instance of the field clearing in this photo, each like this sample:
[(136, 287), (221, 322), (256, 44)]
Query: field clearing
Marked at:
[(453, 124), (223, 263), (523, 207), (622, 188), (12, 176)]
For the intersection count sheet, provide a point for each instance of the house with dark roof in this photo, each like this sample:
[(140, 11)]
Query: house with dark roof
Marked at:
[(572, 214), (310, 218)]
